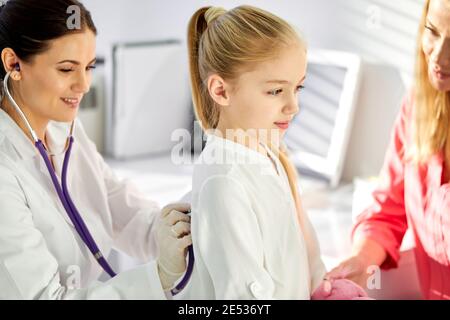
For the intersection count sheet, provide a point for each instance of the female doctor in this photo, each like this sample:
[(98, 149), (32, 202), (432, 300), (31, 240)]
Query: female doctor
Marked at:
[(59, 221)]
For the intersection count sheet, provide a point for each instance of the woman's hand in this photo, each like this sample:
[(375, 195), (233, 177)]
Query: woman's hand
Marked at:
[(367, 254), (173, 238), (355, 268)]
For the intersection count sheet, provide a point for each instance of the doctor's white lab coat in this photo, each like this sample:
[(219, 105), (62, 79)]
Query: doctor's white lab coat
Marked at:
[(248, 242), (41, 254)]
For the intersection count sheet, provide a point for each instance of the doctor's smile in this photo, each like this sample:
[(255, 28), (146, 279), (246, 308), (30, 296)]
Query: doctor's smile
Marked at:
[(72, 102)]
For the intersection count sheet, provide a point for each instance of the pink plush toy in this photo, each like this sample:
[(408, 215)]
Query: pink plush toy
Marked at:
[(341, 289)]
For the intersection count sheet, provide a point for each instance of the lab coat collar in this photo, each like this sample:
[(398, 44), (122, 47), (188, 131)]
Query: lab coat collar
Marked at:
[(56, 136), (10, 130)]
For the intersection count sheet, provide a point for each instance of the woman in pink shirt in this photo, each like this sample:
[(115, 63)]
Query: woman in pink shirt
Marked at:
[(415, 181)]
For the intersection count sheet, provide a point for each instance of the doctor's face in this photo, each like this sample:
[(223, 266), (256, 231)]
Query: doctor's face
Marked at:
[(436, 44), (267, 96), (54, 82)]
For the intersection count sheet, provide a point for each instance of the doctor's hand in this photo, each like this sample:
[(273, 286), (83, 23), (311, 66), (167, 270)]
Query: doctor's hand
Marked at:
[(173, 238)]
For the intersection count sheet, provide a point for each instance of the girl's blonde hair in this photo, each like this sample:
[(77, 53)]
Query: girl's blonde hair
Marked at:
[(227, 43), (432, 107)]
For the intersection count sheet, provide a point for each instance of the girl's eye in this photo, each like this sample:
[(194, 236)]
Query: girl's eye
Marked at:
[(299, 88), (275, 92), (65, 70), (91, 67)]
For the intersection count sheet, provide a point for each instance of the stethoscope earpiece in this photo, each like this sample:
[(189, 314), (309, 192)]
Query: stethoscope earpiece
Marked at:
[(17, 67)]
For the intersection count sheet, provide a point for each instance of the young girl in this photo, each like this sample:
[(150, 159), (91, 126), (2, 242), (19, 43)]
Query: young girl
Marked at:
[(251, 237)]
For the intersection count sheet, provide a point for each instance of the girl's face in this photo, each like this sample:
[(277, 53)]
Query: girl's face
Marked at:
[(53, 83), (436, 44), (267, 97)]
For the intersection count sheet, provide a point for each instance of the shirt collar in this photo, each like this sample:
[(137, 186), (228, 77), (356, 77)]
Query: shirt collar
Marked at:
[(249, 154)]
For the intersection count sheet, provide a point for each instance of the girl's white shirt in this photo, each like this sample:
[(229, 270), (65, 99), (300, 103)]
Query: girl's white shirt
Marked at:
[(248, 242)]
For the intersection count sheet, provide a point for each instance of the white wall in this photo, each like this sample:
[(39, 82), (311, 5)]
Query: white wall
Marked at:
[(382, 31)]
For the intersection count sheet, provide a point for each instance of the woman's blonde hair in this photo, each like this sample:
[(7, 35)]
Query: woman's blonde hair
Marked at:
[(432, 107), (228, 42)]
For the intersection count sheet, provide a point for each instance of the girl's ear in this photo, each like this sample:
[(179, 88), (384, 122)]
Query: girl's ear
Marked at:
[(217, 88)]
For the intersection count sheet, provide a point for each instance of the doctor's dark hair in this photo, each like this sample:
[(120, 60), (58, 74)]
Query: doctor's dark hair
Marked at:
[(28, 26), (228, 43)]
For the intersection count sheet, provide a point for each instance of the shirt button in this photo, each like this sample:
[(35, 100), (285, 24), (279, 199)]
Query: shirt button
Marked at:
[(256, 290)]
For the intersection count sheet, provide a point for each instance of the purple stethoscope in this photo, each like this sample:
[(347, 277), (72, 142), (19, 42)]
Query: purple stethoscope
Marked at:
[(67, 202)]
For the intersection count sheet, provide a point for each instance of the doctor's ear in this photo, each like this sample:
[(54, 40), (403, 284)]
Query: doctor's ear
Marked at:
[(11, 63), (219, 89)]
